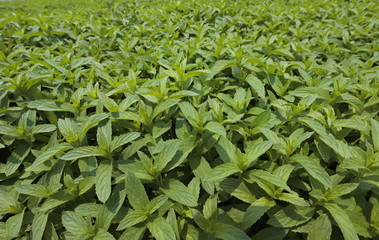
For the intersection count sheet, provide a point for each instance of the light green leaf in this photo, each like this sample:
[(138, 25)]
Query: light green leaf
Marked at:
[(49, 153), (172, 220), (133, 233), (342, 220), (178, 192), (238, 189), (338, 146), (34, 190), (375, 134), (222, 171), (269, 177), (104, 134), (314, 169), (82, 152), (254, 152), (102, 234), (38, 225), (215, 127), (164, 106), (188, 110), (210, 207), (136, 192), (91, 122), (108, 102), (161, 229), (111, 207), (88, 209), (166, 155), (132, 218), (256, 85), (68, 129), (226, 150), (218, 67), (123, 139), (229, 232), (291, 216), (14, 224), (131, 116), (255, 211), (156, 203), (103, 180), (160, 127), (74, 223), (340, 190), (296, 200), (43, 128), (321, 229)]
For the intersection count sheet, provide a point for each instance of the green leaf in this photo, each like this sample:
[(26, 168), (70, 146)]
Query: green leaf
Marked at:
[(296, 200), (338, 146), (343, 221), (255, 211), (188, 110), (91, 122), (375, 134), (123, 139), (103, 235), (210, 207), (106, 77), (256, 85), (103, 180), (178, 192), (229, 232), (15, 159), (38, 225), (215, 127), (238, 189), (133, 233), (136, 192), (340, 190), (74, 223), (161, 229), (218, 67), (49, 153), (68, 128), (156, 203), (104, 134), (108, 103), (222, 171), (166, 155), (291, 216), (88, 209), (321, 229), (314, 169), (171, 219), (160, 127), (34, 190), (164, 106), (132, 218), (14, 224), (226, 150), (111, 207), (82, 152), (254, 152), (269, 177), (271, 233), (43, 128), (56, 200)]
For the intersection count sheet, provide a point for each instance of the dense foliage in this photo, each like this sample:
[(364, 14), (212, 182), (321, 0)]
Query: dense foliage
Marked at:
[(189, 120)]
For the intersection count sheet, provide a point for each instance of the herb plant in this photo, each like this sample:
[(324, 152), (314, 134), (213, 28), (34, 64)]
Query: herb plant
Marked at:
[(189, 120)]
